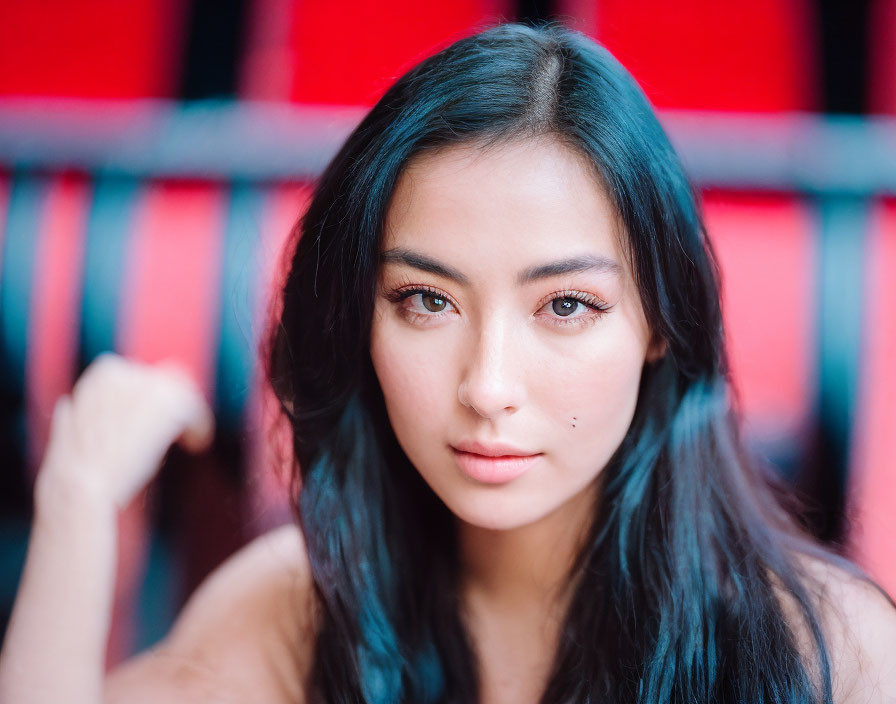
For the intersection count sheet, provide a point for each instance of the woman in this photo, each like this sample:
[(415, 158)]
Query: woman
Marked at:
[(500, 351)]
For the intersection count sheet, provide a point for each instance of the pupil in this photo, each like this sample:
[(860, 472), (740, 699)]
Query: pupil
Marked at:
[(564, 306), (439, 303)]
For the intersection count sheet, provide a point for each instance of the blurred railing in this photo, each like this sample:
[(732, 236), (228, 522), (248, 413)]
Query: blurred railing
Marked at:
[(793, 152)]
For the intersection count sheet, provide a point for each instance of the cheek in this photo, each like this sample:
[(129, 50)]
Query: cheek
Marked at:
[(590, 393), (413, 381)]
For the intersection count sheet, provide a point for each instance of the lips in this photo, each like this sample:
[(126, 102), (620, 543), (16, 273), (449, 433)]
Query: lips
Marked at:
[(495, 449), (495, 463)]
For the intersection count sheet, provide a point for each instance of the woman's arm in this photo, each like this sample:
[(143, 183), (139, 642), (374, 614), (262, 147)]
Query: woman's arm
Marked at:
[(55, 642), (106, 442)]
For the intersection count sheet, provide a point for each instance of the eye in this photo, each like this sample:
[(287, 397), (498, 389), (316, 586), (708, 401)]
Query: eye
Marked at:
[(433, 302), (421, 302), (574, 308)]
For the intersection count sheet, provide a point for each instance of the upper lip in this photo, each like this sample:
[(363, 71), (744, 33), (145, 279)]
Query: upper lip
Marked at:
[(494, 449)]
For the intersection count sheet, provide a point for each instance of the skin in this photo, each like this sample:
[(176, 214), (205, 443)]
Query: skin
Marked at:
[(491, 360)]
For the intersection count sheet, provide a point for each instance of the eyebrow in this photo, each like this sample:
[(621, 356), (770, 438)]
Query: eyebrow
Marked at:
[(584, 262)]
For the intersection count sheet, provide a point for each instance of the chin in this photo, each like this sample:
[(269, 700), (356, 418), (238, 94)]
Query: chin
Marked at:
[(488, 510)]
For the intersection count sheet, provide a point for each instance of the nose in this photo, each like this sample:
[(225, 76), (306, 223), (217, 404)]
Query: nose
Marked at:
[(492, 383)]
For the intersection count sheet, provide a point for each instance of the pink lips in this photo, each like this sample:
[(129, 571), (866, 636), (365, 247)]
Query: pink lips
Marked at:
[(492, 464)]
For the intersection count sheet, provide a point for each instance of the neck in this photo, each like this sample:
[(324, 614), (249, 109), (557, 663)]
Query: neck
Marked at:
[(528, 566)]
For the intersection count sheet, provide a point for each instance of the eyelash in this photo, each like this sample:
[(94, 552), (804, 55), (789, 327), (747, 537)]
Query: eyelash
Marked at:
[(597, 306)]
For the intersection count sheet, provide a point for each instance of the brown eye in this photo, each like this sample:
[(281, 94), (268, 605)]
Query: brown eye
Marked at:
[(433, 303), (419, 304)]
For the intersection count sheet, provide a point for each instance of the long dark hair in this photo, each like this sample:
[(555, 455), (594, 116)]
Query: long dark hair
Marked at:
[(689, 561)]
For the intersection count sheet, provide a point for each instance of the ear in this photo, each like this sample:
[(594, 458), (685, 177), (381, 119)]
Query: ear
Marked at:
[(657, 349)]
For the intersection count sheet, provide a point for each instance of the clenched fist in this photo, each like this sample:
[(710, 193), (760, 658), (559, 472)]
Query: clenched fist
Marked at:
[(110, 435)]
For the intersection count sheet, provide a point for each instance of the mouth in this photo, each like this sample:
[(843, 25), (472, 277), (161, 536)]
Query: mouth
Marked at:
[(499, 469)]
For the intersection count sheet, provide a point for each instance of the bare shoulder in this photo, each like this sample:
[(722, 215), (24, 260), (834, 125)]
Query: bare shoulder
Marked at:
[(246, 634), (859, 622)]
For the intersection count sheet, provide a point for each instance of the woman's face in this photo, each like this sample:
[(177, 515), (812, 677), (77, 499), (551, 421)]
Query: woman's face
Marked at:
[(507, 315)]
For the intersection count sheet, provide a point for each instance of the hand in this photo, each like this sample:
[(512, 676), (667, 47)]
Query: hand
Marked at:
[(110, 436)]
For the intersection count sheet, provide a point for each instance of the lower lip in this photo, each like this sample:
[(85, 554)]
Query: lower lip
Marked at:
[(493, 470)]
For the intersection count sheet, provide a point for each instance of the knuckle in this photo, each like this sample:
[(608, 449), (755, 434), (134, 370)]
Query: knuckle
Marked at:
[(106, 361), (101, 367)]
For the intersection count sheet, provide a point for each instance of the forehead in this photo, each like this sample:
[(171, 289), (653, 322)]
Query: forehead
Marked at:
[(510, 203)]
